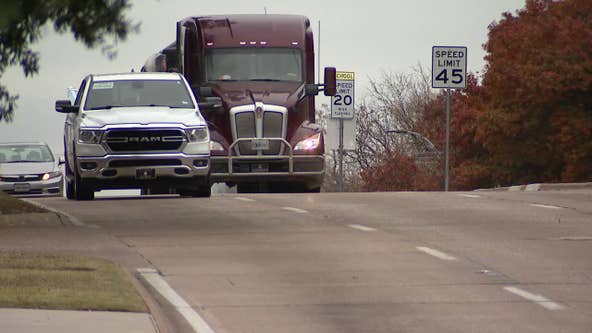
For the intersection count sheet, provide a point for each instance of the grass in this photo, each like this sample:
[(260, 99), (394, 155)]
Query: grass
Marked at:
[(64, 282), (10, 205)]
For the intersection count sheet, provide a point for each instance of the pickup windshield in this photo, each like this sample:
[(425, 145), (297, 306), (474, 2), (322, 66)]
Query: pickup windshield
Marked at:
[(129, 93), (254, 64)]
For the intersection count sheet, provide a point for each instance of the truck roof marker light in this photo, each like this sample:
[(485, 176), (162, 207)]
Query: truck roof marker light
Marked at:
[(253, 43), (294, 43), (243, 43), (263, 42), (210, 43)]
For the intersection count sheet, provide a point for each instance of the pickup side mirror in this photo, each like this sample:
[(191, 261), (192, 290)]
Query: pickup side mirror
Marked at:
[(210, 104), (65, 106), (330, 88)]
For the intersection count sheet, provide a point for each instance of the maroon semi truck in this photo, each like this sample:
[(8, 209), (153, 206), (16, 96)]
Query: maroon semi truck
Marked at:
[(253, 76)]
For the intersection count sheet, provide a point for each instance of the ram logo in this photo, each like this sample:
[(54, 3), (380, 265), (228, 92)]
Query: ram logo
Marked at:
[(144, 139), (135, 139)]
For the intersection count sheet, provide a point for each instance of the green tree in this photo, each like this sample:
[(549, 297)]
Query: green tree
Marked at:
[(96, 23)]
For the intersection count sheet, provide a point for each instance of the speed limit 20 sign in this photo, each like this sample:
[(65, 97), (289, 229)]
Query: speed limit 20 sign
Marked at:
[(342, 104), (449, 67)]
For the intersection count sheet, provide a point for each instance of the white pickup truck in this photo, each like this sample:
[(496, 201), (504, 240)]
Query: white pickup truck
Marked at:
[(135, 130)]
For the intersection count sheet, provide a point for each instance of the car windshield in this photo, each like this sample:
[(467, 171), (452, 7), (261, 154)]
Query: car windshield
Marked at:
[(25, 153), (254, 64), (129, 93)]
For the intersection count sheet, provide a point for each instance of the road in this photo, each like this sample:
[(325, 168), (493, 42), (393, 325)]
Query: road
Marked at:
[(364, 262)]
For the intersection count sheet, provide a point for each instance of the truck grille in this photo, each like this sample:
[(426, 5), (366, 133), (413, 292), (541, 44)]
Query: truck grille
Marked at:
[(268, 122), (144, 139)]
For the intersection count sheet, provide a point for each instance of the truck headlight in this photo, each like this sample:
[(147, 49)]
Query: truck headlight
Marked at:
[(215, 145), (198, 134), (90, 136), (309, 143), (50, 175)]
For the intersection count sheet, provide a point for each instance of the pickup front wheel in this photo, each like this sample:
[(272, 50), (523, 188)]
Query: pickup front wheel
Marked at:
[(82, 191)]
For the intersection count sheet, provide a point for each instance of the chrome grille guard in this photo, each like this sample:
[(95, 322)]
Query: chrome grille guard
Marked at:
[(290, 158)]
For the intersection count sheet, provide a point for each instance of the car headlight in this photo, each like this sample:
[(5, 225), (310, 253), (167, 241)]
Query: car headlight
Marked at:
[(197, 134), (50, 175), (215, 145), (90, 136), (309, 143)]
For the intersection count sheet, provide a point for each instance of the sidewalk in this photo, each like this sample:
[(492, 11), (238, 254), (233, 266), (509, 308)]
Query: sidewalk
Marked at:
[(51, 233), (54, 321)]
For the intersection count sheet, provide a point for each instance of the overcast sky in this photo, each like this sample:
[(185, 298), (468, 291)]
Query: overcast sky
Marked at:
[(366, 37)]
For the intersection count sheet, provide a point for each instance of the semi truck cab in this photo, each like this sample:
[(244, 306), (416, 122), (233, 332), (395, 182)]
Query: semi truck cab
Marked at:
[(254, 78)]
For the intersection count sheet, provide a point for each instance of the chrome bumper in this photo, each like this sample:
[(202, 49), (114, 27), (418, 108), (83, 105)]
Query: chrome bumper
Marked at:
[(126, 165), (286, 166), (50, 187)]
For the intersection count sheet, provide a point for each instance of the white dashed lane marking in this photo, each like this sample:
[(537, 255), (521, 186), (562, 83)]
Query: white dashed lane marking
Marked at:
[(295, 210), (361, 227), (538, 299), (470, 195), (545, 206), (245, 199), (436, 253)]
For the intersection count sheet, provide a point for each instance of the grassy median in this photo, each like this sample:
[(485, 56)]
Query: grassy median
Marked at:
[(10, 205), (63, 282)]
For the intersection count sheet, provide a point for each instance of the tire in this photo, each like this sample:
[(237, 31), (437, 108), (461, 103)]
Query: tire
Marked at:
[(83, 192), (70, 188), (253, 188), (204, 191)]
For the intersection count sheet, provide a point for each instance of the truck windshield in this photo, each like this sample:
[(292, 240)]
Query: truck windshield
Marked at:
[(254, 64), (128, 93)]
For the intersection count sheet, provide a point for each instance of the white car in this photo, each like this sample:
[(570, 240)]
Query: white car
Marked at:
[(29, 169), (135, 130)]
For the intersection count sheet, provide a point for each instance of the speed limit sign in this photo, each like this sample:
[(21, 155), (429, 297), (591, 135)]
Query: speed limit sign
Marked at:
[(449, 67), (342, 104)]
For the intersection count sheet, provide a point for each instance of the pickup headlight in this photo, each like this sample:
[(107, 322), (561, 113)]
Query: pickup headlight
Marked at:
[(198, 134), (309, 143), (51, 175), (90, 136)]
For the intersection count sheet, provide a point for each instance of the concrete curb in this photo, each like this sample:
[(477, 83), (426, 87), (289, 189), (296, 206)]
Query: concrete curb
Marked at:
[(534, 187)]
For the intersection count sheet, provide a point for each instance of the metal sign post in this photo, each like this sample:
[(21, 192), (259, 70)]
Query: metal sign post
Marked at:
[(449, 71), (342, 107)]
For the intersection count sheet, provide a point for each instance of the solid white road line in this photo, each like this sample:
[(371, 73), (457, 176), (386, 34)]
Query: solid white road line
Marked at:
[(245, 199), (157, 282), (470, 195), (545, 206), (295, 210), (436, 253), (361, 227), (538, 299)]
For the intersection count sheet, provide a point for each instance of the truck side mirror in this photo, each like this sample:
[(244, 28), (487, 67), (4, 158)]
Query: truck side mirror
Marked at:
[(311, 90), (205, 91), (65, 106), (210, 104), (330, 88)]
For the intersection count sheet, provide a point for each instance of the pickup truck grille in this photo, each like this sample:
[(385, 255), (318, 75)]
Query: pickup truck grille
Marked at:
[(267, 122), (119, 140)]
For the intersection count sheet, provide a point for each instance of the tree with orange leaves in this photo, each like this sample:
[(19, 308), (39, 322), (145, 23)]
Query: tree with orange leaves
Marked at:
[(537, 121)]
